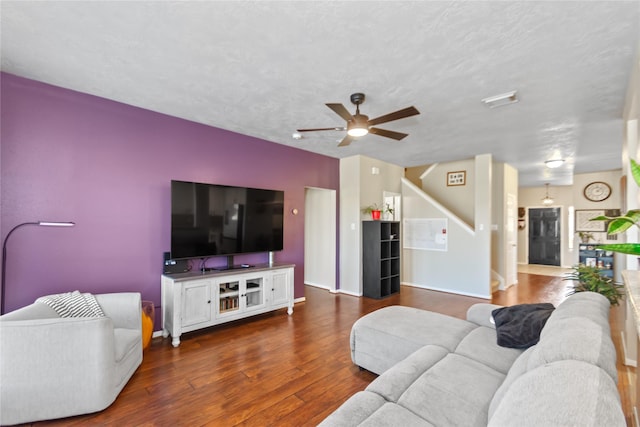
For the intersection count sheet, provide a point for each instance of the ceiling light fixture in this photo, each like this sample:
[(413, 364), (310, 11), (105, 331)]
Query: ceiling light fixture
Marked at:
[(358, 126), (502, 99), (552, 164), (547, 200)]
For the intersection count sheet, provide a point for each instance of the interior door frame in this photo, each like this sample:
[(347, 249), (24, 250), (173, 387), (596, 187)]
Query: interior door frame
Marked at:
[(320, 238)]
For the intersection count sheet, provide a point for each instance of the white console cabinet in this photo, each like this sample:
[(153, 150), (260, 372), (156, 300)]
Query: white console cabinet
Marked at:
[(192, 301)]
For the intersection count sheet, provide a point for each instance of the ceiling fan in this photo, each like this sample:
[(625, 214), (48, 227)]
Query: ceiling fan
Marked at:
[(360, 125)]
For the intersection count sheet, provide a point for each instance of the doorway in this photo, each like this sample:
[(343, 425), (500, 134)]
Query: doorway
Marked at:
[(544, 236), (320, 238)]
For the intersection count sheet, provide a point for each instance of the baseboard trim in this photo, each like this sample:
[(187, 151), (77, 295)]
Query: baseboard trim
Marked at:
[(448, 291), (325, 287), (353, 294)]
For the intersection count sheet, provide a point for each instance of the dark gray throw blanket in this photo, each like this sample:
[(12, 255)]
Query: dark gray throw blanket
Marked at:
[(519, 326)]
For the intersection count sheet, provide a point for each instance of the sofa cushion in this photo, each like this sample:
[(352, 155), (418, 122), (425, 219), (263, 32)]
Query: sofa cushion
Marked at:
[(393, 415), (456, 391), (565, 393), (393, 382), (366, 408), (386, 336), (481, 314), (480, 345), (577, 338), (582, 304), (518, 368)]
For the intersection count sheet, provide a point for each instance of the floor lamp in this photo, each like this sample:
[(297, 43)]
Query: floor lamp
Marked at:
[(4, 250)]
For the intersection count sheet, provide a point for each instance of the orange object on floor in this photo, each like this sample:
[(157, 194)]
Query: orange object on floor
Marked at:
[(148, 316)]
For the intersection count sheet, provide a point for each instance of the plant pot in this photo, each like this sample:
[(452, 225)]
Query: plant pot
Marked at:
[(375, 215)]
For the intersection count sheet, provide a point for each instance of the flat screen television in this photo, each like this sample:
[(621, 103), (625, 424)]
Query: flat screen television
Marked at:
[(218, 220)]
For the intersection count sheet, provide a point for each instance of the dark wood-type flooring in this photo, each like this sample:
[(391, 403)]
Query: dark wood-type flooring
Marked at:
[(280, 370)]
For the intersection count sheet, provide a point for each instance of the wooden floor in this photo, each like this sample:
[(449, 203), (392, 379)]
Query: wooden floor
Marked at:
[(280, 370)]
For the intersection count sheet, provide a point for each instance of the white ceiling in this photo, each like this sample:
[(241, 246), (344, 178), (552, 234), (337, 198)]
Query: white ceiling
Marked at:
[(266, 68)]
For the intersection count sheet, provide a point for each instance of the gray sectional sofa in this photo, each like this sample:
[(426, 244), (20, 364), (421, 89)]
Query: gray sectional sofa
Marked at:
[(436, 370)]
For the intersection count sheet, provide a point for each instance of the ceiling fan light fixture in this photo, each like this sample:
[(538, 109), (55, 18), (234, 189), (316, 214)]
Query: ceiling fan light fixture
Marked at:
[(358, 126), (555, 163), (501, 100), (357, 131)]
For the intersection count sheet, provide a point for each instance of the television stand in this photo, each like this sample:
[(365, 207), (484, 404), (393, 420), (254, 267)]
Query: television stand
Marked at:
[(196, 300)]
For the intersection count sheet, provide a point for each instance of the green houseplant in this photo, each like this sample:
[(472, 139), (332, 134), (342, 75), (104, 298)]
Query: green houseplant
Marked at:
[(620, 224), (585, 236), (375, 210), (588, 278)]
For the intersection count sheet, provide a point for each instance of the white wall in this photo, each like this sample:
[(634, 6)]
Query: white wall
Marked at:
[(458, 199), (505, 182), (465, 268), (564, 197), (350, 234), (373, 186), (359, 187)]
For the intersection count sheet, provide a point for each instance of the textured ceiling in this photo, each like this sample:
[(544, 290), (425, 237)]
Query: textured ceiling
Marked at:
[(266, 68)]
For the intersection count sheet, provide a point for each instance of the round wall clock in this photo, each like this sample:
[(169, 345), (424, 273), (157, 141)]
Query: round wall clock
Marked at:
[(597, 191)]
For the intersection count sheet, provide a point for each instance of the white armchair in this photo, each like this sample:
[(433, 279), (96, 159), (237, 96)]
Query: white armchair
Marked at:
[(52, 367)]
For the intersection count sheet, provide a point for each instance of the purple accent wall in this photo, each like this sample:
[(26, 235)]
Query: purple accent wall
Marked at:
[(69, 156)]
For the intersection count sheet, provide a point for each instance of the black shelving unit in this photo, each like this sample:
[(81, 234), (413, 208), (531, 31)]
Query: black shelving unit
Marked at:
[(592, 254), (381, 258)]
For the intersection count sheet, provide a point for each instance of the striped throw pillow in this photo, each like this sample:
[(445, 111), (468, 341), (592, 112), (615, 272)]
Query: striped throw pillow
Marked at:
[(73, 304)]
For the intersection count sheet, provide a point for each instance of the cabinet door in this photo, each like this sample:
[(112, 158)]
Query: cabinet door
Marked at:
[(253, 297), (228, 301), (280, 288), (196, 303)]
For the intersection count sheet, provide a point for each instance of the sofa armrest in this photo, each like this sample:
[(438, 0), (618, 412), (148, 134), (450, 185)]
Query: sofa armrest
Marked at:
[(123, 308), (77, 371), (480, 314)]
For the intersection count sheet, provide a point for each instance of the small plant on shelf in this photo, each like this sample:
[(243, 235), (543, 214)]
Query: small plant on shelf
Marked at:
[(375, 210), (585, 236), (588, 278)]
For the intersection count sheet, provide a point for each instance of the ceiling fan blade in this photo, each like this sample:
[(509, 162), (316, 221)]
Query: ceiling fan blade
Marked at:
[(396, 115), (345, 141), (319, 129), (388, 133), (341, 111)]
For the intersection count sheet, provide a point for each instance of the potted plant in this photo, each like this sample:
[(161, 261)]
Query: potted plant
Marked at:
[(620, 224), (585, 236), (588, 278), (375, 210)]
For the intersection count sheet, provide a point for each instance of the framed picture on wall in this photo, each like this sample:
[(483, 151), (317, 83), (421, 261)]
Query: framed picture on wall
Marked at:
[(456, 178), (584, 223)]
